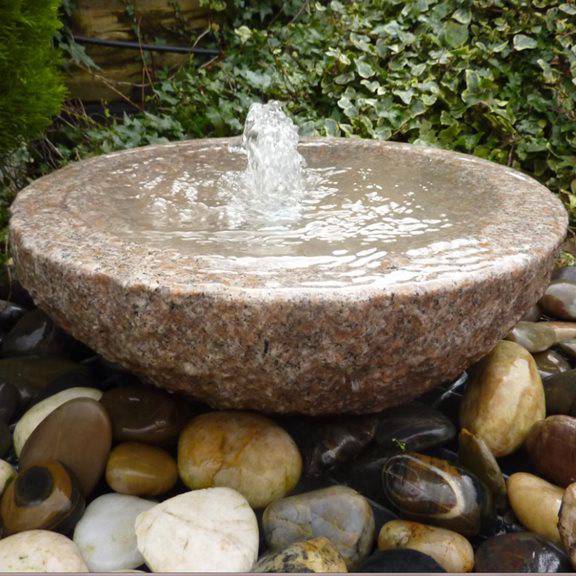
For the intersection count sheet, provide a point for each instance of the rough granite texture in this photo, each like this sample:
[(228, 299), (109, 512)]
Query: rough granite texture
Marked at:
[(355, 349)]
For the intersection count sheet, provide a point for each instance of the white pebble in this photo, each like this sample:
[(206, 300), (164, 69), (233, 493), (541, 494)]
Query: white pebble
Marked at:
[(211, 530), (6, 473), (40, 551), (105, 534)]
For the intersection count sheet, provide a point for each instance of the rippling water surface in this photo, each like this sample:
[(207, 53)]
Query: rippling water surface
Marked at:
[(366, 214)]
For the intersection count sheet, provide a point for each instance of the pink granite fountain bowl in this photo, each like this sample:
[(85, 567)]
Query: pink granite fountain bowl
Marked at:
[(405, 265)]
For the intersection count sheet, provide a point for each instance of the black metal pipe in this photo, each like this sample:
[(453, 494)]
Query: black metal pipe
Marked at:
[(128, 45)]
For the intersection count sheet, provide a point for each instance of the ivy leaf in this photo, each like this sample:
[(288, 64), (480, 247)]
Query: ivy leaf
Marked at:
[(364, 69), (523, 42), (331, 127), (455, 35), (568, 9), (462, 15), (244, 33), (404, 95)]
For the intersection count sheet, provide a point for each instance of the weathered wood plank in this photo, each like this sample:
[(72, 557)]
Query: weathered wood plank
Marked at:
[(121, 68)]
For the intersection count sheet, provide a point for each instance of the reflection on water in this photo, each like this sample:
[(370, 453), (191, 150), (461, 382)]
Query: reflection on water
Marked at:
[(366, 216)]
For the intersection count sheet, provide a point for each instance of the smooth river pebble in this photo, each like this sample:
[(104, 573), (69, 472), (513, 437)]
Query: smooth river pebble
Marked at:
[(551, 445), (7, 472), (211, 530), (314, 555), (451, 550), (520, 552), (475, 456), (433, 491), (559, 300), (106, 536), (145, 415), (240, 450), (78, 434), (43, 497), (338, 513), (414, 427), (40, 551), (140, 470), (536, 504), (35, 415), (539, 336), (504, 398), (399, 561), (567, 522), (551, 362)]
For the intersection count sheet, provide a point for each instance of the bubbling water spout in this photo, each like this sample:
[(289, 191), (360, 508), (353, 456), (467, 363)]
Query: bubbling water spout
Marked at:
[(273, 183)]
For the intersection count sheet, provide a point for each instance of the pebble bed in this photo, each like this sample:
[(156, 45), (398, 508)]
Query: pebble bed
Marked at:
[(100, 472)]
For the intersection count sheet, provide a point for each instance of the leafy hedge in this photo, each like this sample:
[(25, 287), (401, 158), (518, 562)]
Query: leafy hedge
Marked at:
[(31, 91), (495, 78)]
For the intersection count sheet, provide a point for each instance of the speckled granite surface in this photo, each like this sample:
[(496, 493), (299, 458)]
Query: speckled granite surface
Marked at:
[(284, 346)]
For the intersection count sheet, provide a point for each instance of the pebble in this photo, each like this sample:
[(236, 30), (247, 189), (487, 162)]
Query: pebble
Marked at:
[(43, 497), (9, 401), (433, 491), (551, 447), (559, 300), (414, 427), (10, 313), (145, 415), (400, 561), (140, 470), (40, 551), (211, 530), (539, 336), (560, 393), (567, 522), (551, 362), (451, 550), (5, 438), (475, 456), (520, 552), (32, 375), (564, 273), (328, 444), (35, 415), (536, 504), (314, 555), (337, 513), (446, 398), (568, 347), (105, 535), (7, 473), (34, 334), (79, 435), (239, 450), (364, 473), (504, 398), (10, 287)]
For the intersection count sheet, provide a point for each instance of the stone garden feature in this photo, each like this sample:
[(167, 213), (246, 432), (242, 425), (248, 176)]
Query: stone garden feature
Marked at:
[(100, 470), (354, 283)]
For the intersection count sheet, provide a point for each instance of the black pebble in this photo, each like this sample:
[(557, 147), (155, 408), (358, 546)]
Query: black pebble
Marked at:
[(400, 561)]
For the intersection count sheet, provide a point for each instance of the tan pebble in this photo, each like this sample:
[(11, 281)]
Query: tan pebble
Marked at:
[(536, 504), (239, 450), (504, 398), (451, 550)]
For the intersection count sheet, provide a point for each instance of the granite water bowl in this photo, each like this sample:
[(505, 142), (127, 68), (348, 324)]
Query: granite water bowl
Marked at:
[(408, 266)]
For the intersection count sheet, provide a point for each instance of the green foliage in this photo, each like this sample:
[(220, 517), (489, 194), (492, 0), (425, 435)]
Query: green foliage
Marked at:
[(495, 78), (31, 92)]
